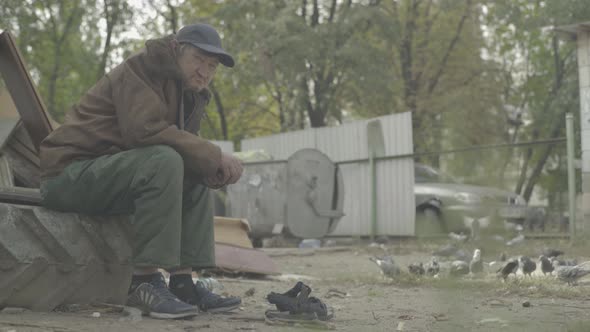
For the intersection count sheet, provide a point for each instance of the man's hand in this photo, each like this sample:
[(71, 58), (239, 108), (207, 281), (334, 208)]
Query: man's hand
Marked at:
[(229, 172)]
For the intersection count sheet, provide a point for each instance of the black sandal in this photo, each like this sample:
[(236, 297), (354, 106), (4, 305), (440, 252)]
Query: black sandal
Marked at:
[(298, 304)]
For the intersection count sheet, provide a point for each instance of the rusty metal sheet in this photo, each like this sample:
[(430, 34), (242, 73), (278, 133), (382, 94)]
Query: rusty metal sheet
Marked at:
[(24, 94), (238, 259)]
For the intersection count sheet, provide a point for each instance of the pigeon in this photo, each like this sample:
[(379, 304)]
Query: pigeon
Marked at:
[(476, 264), (432, 268), (458, 237), (417, 269), (459, 268), (564, 262), (510, 267), (527, 265), (446, 251), (546, 266), (462, 255), (571, 274), (387, 265), (550, 253)]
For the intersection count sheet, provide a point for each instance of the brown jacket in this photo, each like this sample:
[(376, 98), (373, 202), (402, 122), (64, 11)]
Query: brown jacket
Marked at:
[(139, 103)]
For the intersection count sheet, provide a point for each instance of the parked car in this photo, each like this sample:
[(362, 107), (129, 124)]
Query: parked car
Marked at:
[(444, 204)]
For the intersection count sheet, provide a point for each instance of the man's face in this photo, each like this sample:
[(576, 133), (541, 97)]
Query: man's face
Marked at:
[(197, 67)]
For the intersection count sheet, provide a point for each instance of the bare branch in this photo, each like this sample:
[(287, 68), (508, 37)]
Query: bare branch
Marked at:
[(452, 44)]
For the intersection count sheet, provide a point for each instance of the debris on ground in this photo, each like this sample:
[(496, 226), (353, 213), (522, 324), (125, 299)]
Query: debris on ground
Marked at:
[(310, 243), (250, 292), (211, 284), (291, 277), (132, 314), (526, 304), (494, 320), (440, 317), (516, 240), (13, 310), (333, 292)]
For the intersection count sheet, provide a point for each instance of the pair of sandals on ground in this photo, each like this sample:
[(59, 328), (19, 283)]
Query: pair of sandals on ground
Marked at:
[(183, 299)]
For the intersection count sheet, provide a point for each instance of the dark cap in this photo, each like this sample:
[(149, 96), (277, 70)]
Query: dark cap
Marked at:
[(204, 37)]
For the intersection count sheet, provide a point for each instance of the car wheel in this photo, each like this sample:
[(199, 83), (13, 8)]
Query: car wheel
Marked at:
[(429, 221)]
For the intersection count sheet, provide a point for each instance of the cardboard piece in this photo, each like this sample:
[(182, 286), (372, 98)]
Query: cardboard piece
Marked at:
[(234, 251), (232, 231), (237, 259)]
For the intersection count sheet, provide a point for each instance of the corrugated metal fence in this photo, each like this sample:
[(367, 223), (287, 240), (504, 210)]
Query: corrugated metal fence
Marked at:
[(395, 177)]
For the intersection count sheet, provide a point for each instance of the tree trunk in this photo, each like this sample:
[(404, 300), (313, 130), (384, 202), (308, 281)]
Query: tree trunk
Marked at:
[(173, 18), (536, 173), (112, 18), (220, 111), (406, 58), (560, 72), (58, 40)]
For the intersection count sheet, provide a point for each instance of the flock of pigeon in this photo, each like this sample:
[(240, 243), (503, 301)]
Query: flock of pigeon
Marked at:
[(459, 263)]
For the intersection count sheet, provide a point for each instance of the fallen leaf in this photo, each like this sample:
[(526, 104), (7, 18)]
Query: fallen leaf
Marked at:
[(440, 317)]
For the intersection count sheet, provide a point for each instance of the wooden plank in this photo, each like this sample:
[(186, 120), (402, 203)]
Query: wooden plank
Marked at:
[(22, 90)]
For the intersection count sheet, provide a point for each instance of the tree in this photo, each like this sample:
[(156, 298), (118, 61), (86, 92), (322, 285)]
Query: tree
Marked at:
[(544, 81), (61, 42), (305, 54), (435, 48)]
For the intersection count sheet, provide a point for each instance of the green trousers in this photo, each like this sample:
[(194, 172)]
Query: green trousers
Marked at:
[(172, 215)]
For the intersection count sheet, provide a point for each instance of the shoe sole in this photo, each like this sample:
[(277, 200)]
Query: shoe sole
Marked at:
[(223, 309), (160, 315)]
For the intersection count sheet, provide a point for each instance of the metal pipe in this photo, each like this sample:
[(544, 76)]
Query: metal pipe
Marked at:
[(373, 183), (428, 153), (465, 149), (571, 175)]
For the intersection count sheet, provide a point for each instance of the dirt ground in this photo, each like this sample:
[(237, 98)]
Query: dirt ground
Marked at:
[(372, 303)]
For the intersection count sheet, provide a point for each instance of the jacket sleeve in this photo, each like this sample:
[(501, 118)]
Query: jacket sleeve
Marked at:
[(141, 116)]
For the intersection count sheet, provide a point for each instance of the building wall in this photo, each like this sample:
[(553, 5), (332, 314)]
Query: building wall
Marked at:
[(395, 178)]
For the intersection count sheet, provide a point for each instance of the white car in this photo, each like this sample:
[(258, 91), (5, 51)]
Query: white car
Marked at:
[(443, 204)]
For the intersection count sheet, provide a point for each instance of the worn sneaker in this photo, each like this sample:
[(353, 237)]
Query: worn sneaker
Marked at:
[(206, 300), (155, 300)]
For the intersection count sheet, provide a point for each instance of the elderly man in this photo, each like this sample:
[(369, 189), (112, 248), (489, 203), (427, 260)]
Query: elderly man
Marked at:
[(131, 146)]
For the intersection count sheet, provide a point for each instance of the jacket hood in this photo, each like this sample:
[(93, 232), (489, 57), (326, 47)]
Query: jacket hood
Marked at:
[(160, 58)]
